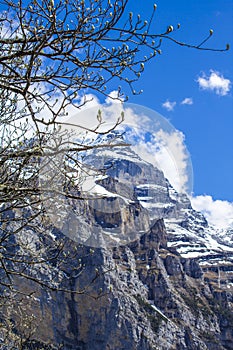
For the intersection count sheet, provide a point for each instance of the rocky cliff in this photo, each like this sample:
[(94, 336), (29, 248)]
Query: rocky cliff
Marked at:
[(141, 269)]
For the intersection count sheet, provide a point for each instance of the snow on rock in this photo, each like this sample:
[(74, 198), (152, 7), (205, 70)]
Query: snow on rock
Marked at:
[(188, 230)]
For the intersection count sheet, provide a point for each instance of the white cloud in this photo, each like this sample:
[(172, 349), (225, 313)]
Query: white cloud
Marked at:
[(113, 97), (217, 212), (165, 148), (169, 105), (86, 116), (215, 82), (187, 101), (172, 146), (167, 151)]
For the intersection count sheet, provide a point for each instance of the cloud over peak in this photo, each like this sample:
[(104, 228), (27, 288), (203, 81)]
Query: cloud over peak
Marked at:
[(217, 212), (214, 82)]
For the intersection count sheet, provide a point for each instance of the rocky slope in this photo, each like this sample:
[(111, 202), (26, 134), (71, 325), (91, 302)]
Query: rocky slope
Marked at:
[(188, 230), (149, 272)]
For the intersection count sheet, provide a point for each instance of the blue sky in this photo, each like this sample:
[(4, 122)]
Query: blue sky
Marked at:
[(193, 90), (207, 123)]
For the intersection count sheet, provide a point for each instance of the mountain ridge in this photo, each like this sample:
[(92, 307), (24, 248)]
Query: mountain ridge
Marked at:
[(130, 242)]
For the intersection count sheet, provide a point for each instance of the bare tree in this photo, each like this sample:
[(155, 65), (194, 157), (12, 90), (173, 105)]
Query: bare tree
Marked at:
[(53, 55)]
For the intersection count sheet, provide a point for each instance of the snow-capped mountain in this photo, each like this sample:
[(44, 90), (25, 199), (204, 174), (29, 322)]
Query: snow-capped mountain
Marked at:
[(130, 266), (128, 176)]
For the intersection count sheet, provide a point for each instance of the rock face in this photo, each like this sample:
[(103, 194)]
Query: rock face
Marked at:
[(162, 279)]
